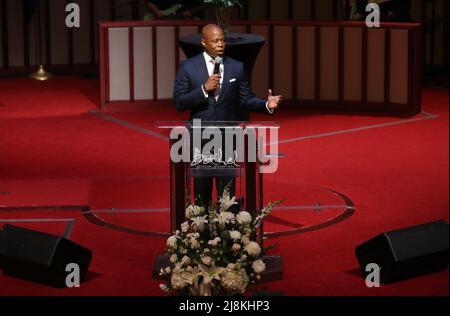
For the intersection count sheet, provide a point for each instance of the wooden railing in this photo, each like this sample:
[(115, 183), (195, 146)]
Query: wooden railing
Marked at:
[(332, 65)]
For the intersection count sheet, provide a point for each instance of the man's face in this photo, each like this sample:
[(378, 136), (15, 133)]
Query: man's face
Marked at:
[(214, 42)]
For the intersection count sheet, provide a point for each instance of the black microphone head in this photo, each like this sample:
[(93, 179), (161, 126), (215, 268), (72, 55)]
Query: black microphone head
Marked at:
[(218, 61)]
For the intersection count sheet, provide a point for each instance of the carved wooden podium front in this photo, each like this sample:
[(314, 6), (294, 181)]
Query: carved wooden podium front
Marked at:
[(247, 171)]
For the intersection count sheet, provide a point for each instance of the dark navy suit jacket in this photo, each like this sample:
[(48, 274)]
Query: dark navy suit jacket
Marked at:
[(235, 94)]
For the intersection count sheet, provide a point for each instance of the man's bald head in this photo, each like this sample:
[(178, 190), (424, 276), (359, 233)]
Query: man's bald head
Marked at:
[(210, 29), (213, 40)]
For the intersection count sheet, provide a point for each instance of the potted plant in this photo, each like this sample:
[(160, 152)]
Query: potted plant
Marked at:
[(222, 8)]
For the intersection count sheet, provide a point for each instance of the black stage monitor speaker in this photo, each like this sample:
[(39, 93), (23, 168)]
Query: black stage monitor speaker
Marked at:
[(407, 253), (40, 257)]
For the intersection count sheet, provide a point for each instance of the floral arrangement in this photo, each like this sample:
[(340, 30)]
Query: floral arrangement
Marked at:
[(223, 3), (214, 252)]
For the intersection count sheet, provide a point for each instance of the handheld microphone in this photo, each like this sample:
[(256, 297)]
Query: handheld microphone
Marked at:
[(218, 60)]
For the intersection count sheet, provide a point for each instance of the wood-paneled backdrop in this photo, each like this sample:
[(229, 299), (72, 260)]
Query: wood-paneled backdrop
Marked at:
[(63, 46)]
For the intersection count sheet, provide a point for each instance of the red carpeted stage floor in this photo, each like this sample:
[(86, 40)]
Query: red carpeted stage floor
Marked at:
[(57, 149)]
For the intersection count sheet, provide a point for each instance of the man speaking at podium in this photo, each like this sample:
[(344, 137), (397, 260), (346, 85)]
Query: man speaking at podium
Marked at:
[(214, 87)]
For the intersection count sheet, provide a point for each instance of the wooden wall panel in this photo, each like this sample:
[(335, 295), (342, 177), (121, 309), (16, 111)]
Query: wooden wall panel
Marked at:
[(399, 67), (260, 79), (306, 63), (82, 35), (143, 63), (375, 67), (1, 35), (59, 36), (165, 58), (257, 9), (324, 10), (279, 10), (329, 61), (119, 64), (352, 64), (283, 61), (15, 38), (302, 10)]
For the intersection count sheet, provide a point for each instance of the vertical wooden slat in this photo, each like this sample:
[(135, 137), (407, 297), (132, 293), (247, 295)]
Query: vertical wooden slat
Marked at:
[(387, 69), (102, 72), (119, 64), (312, 15), (374, 64), (131, 58), (291, 10), (48, 44), (92, 31), (112, 4), (5, 34), (143, 63), (341, 64), (399, 72), (335, 10), (283, 61), (155, 64), (70, 39), (411, 72), (317, 63), (294, 62), (107, 65), (364, 67), (306, 51), (271, 56), (26, 38), (352, 63)]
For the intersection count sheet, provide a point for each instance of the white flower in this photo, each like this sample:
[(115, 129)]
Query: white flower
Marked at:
[(194, 243), (226, 202), (173, 258), (245, 240), (190, 275), (207, 260), (177, 280), (185, 227), (164, 288), (235, 235), (186, 260), (244, 218), (199, 223), (193, 211), (253, 249), (236, 247), (234, 281), (172, 242), (215, 241), (258, 266), (210, 273), (167, 270), (224, 218)]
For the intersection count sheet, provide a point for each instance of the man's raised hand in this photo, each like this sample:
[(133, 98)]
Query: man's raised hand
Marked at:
[(273, 101)]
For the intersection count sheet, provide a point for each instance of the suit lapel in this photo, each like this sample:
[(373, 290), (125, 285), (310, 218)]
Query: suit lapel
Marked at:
[(202, 69)]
